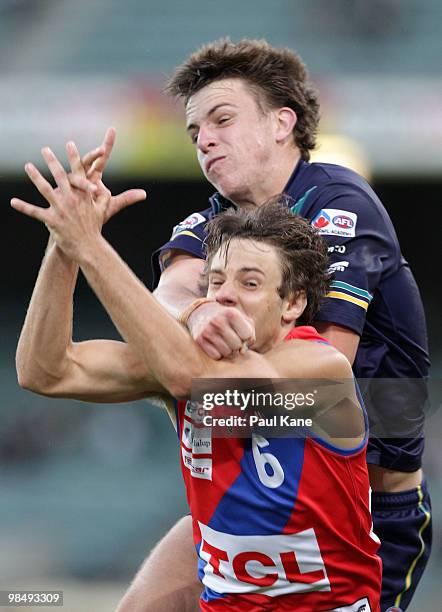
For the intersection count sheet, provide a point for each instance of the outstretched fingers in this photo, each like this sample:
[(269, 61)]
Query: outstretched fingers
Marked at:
[(126, 198), (30, 210), (57, 170), (43, 186), (77, 176), (96, 168), (82, 183), (88, 159), (74, 159)]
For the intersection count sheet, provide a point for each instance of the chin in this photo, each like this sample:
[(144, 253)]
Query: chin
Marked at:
[(228, 189)]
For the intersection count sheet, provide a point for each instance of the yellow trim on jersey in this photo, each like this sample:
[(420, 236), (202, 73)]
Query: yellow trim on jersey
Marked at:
[(186, 233), (422, 550), (348, 298)]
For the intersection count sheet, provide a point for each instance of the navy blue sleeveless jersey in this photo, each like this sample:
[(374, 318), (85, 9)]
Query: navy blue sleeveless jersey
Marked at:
[(372, 292)]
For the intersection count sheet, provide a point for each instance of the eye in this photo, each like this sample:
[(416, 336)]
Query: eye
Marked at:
[(223, 119), (215, 282), (251, 283), (193, 137)]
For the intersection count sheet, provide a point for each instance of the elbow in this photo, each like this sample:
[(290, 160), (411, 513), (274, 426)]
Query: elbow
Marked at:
[(35, 380), (22, 380), (25, 377), (180, 383), (32, 383), (28, 382), (180, 387)]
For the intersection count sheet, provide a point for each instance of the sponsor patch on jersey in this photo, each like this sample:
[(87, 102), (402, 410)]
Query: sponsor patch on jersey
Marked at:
[(194, 411), (199, 467), (196, 440), (362, 605), (273, 564), (337, 248), (338, 266), (188, 224), (335, 222), (322, 220)]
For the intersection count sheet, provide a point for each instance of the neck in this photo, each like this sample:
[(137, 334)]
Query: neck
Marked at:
[(274, 179), (279, 339)]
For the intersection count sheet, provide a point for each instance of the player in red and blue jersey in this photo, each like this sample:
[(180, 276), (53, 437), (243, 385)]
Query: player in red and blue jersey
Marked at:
[(281, 522)]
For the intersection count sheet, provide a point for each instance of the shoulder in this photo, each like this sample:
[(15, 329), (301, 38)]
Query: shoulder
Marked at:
[(306, 359), (332, 174), (327, 182), (333, 198), (199, 218)]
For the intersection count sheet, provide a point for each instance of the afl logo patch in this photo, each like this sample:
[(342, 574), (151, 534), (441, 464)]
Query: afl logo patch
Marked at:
[(343, 221), (335, 222)]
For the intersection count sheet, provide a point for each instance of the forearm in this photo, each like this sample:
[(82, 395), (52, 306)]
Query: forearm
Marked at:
[(179, 284), (47, 330), (162, 343), (174, 300)]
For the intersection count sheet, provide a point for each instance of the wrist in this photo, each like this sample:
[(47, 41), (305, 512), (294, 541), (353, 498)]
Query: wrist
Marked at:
[(93, 252), (190, 309), (54, 255)]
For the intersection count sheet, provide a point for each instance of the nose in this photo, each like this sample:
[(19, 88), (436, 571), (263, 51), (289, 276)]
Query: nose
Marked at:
[(226, 294), (206, 139)]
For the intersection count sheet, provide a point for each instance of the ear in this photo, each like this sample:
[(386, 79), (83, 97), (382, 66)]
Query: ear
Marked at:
[(286, 120), (294, 306)]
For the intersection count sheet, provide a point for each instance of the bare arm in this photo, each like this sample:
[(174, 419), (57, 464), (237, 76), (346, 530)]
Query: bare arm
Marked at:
[(47, 330), (167, 348), (47, 360), (179, 282), (342, 338)]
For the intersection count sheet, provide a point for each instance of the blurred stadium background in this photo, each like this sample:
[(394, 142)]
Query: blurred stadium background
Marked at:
[(86, 490)]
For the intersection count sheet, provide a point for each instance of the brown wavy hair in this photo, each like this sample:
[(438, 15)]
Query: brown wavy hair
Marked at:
[(277, 77)]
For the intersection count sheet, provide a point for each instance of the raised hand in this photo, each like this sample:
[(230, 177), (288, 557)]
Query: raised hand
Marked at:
[(73, 217), (94, 164)]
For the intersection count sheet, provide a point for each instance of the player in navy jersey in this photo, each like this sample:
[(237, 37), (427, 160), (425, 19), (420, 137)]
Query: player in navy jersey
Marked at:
[(268, 537), (253, 115)]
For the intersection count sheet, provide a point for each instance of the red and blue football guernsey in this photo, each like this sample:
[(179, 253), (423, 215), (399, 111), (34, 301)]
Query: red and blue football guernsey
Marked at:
[(296, 536)]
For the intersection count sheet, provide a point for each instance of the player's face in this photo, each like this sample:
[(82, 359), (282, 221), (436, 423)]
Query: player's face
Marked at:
[(248, 279), (234, 138)]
